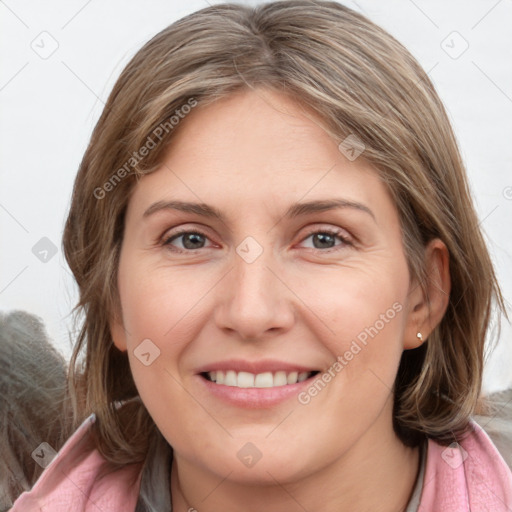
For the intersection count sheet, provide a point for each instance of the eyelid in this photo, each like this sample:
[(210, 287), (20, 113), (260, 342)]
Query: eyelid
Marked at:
[(347, 239), (166, 239)]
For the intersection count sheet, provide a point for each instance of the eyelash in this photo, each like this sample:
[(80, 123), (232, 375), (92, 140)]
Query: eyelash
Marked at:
[(333, 232)]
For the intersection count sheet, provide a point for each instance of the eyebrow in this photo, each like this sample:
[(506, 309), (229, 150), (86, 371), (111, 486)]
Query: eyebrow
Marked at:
[(295, 210)]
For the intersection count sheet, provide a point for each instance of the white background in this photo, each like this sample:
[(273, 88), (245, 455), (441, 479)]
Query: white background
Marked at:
[(49, 107)]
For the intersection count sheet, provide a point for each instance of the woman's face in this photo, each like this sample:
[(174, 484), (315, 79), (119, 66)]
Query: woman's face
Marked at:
[(272, 287)]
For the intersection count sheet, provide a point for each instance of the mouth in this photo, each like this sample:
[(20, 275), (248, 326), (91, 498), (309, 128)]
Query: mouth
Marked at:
[(231, 378)]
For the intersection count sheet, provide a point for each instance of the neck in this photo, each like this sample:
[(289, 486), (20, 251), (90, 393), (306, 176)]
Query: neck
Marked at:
[(376, 474)]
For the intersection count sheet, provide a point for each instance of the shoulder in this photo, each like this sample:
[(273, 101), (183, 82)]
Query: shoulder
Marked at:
[(497, 422), (469, 472), (78, 475)]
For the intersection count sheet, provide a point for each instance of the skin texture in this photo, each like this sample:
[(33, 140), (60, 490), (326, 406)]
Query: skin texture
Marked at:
[(252, 155)]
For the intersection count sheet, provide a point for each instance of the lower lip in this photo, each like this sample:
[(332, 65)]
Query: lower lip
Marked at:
[(255, 398)]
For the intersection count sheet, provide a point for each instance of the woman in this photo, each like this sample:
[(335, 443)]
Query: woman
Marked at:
[(285, 288)]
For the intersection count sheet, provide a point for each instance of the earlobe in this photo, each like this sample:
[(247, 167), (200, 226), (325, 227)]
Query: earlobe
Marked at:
[(118, 333), (429, 303)]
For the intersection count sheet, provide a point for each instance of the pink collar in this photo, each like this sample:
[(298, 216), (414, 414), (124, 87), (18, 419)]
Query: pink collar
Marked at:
[(71, 481), (470, 476)]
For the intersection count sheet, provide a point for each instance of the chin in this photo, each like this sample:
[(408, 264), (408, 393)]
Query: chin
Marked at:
[(269, 468)]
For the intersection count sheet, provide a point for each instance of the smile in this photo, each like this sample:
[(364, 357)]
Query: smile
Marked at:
[(260, 380)]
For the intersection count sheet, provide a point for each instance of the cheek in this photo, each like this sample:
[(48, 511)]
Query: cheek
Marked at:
[(160, 303), (162, 315), (364, 316), (358, 305), (160, 323)]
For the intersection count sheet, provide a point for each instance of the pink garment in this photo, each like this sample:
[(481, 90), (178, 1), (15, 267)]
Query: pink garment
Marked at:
[(69, 483), (470, 477)]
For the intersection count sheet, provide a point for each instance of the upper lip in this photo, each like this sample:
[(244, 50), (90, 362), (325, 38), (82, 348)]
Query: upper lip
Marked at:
[(262, 366)]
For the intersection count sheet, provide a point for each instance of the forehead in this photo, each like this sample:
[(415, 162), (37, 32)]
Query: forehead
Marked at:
[(252, 128), (255, 148)]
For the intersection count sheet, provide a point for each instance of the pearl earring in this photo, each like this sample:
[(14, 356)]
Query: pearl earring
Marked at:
[(419, 336)]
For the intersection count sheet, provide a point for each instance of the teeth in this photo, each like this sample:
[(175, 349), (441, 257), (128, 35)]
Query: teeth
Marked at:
[(245, 380), (230, 378), (292, 377), (261, 380), (279, 379), (303, 376)]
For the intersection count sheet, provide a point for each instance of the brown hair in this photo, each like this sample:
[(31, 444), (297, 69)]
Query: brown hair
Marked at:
[(358, 80)]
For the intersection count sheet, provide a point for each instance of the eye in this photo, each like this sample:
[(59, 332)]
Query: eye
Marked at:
[(191, 240), (324, 239)]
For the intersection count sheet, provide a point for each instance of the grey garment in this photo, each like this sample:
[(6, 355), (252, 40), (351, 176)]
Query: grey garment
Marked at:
[(155, 494), (414, 502)]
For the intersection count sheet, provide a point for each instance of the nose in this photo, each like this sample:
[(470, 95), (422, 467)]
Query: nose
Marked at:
[(254, 299)]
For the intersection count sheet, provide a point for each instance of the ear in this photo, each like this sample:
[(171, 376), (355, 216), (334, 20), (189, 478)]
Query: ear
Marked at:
[(118, 331), (427, 309)]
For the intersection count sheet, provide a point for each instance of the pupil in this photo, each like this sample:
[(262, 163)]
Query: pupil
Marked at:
[(189, 237), (323, 237)]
